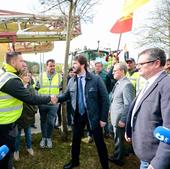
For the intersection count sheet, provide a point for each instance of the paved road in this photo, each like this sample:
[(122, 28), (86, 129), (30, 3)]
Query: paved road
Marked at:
[(37, 124)]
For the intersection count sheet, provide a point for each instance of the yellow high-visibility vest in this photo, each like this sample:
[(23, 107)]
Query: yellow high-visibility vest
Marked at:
[(133, 78), (49, 87), (10, 107)]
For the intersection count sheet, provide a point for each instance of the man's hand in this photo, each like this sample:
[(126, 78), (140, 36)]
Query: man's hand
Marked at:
[(150, 167), (54, 99), (121, 124), (102, 124), (127, 138)]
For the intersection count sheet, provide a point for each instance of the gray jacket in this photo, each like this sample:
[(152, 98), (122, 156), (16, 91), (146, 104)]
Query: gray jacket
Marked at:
[(153, 110), (96, 95), (121, 97)]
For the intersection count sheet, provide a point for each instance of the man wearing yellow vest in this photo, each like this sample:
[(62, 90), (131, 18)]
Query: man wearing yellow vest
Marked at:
[(12, 95), (132, 73), (50, 83)]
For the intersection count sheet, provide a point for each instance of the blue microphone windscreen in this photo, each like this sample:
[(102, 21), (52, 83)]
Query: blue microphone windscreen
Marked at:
[(3, 151), (162, 134)]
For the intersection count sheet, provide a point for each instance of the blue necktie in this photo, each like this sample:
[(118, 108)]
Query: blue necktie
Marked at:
[(81, 106)]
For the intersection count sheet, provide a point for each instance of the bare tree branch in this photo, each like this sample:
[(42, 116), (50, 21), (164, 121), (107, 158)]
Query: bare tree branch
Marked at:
[(82, 8), (60, 8), (55, 5), (157, 29)]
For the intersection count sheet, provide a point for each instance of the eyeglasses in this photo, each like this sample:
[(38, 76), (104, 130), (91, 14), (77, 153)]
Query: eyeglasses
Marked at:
[(143, 63)]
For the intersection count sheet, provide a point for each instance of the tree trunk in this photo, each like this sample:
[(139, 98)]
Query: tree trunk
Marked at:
[(64, 111), (169, 41)]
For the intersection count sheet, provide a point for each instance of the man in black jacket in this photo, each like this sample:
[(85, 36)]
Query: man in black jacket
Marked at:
[(94, 109), (12, 95)]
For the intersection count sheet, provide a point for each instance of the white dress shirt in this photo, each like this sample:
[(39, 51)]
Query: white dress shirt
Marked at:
[(147, 85)]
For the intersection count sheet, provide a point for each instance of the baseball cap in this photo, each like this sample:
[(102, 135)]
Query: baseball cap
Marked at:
[(130, 59)]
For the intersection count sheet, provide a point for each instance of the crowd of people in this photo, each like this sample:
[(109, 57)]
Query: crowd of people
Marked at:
[(125, 103)]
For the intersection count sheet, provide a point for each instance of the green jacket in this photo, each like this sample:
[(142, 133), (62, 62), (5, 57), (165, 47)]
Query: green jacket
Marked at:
[(28, 113), (106, 79)]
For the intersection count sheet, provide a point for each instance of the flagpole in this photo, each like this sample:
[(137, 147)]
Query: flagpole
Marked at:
[(120, 36)]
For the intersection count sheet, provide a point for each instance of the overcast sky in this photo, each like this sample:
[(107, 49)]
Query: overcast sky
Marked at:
[(106, 15)]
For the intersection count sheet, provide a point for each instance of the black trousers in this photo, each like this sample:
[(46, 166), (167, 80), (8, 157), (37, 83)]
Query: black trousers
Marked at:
[(78, 128), (7, 137)]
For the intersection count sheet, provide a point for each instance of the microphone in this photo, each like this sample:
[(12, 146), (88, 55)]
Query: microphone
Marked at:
[(3, 151), (162, 134)]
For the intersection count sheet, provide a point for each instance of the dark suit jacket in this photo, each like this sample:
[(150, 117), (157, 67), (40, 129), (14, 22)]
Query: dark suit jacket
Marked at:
[(153, 110), (97, 99)]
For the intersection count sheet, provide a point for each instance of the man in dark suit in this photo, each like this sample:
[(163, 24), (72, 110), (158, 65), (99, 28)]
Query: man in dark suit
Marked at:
[(150, 109), (122, 96), (93, 109)]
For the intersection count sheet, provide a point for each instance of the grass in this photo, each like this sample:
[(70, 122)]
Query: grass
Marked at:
[(56, 157)]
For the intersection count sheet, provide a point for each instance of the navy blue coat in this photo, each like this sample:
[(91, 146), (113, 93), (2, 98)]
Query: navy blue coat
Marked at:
[(96, 95)]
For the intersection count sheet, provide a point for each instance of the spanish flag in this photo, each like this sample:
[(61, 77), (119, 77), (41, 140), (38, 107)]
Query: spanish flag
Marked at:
[(123, 24)]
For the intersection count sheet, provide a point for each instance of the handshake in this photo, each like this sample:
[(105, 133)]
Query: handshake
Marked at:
[(54, 99)]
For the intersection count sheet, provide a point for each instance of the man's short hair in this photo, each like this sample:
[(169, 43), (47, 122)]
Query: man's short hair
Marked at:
[(154, 54), (50, 60), (82, 60), (11, 55), (122, 66)]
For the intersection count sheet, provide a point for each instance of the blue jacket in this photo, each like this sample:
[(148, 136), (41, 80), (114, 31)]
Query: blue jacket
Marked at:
[(96, 95)]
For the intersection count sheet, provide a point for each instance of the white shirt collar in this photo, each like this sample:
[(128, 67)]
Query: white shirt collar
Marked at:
[(82, 75), (153, 78)]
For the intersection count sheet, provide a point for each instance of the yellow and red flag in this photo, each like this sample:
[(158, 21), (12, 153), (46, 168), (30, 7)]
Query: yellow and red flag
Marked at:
[(123, 24), (131, 5)]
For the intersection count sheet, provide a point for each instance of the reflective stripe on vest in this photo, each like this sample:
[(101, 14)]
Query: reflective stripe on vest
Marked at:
[(10, 107), (5, 76), (5, 97), (49, 87)]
